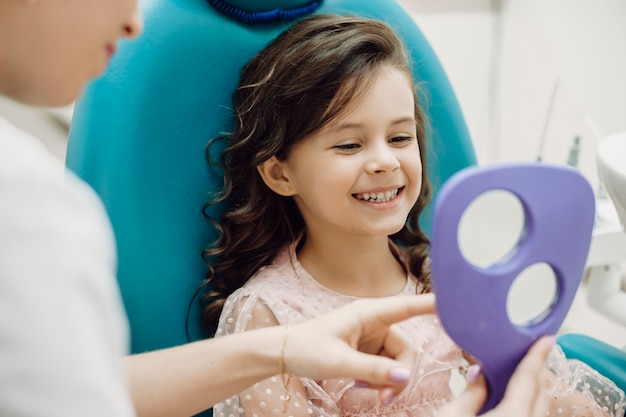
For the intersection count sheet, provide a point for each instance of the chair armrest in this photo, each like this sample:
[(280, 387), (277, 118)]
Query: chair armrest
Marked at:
[(604, 358)]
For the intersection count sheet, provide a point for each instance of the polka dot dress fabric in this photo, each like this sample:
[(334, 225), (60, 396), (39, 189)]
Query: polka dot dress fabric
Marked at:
[(285, 293)]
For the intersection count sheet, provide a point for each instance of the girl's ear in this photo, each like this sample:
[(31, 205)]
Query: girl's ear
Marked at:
[(274, 176)]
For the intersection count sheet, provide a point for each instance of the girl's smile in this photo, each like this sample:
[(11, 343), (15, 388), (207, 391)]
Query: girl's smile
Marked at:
[(378, 196)]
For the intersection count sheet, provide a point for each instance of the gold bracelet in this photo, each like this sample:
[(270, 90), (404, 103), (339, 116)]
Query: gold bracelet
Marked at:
[(281, 368)]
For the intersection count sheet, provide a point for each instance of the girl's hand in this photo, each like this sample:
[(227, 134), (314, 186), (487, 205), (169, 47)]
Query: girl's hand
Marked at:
[(524, 396)]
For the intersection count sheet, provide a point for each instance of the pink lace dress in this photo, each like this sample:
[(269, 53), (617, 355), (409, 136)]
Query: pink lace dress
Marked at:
[(285, 293)]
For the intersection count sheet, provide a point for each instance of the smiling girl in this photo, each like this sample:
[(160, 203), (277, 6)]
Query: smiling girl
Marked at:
[(325, 174)]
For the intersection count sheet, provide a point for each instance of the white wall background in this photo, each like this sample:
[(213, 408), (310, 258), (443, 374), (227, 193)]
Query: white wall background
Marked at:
[(504, 59)]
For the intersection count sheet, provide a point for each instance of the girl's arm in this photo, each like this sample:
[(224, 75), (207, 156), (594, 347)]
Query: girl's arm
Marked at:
[(346, 342)]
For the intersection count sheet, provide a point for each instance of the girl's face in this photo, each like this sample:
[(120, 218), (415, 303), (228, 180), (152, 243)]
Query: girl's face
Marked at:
[(52, 48), (362, 173)]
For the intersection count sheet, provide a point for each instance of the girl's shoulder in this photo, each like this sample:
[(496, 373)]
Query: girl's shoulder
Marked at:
[(281, 271), (276, 289)]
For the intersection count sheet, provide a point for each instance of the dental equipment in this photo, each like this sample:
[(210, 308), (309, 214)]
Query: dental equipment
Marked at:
[(605, 282)]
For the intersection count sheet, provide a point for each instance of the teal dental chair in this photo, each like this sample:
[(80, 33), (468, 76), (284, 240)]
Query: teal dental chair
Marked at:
[(139, 133)]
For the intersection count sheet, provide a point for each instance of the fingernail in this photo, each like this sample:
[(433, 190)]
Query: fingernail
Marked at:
[(389, 400), (472, 373), (361, 384), (400, 375)]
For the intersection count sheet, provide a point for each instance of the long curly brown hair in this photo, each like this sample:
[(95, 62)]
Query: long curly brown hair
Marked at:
[(300, 82)]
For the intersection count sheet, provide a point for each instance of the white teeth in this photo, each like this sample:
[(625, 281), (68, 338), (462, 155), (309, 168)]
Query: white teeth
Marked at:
[(378, 197)]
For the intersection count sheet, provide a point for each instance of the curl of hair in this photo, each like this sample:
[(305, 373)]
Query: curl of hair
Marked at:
[(304, 79)]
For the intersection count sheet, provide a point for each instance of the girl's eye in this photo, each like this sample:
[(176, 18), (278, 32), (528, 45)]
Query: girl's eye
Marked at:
[(401, 139), (346, 147)]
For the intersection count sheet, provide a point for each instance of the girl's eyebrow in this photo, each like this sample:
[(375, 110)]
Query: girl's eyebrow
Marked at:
[(352, 125), (401, 120)]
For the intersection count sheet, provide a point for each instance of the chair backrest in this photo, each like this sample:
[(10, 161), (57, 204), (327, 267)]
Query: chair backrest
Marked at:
[(139, 133)]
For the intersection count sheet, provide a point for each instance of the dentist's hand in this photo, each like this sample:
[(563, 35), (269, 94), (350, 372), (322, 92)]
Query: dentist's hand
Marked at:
[(523, 397), (360, 341)]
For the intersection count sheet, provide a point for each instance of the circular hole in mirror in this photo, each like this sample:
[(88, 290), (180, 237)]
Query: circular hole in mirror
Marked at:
[(532, 295), (491, 227)]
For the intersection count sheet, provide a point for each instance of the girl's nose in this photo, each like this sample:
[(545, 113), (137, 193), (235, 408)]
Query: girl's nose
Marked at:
[(134, 26), (382, 160)]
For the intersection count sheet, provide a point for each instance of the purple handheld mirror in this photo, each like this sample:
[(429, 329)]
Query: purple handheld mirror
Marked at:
[(559, 208)]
